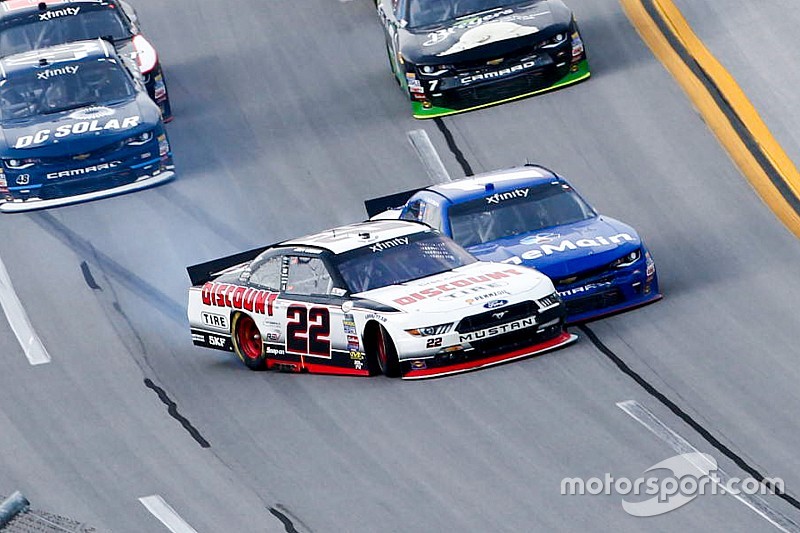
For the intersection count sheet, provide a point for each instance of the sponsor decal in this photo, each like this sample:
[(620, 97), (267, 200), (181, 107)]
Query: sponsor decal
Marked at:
[(506, 15), (381, 246), (357, 355), (23, 179), (487, 296), (419, 365), (494, 304), (216, 321), (456, 288), (349, 324), (56, 13), (218, 342), (353, 343), (495, 74), (81, 171), (237, 297), (358, 365), (275, 349), (272, 336), (77, 128), (586, 288), (88, 113), (375, 316), (501, 196), (545, 250), (541, 238), (60, 71), (494, 331)]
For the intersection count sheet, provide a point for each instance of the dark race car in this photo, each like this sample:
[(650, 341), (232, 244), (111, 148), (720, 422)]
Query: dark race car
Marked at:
[(531, 216), (30, 24), (76, 124), (457, 55)]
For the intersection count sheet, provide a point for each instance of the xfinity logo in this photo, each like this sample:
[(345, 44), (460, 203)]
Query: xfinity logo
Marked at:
[(82, 171), (501, 196), (381, 246), (47, 74), (55, 13), (497, 330), (466, 80)]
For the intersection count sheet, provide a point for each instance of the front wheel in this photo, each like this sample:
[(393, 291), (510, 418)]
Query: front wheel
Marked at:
[(247, 342), (386, 354)]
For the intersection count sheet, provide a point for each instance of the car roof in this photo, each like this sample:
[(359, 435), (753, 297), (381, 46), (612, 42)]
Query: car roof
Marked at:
[(23, 8), (56, 56), (353, 236), (498, 181)]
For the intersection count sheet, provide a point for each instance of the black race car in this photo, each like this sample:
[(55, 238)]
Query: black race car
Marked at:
[(457, 55), (27, 25)]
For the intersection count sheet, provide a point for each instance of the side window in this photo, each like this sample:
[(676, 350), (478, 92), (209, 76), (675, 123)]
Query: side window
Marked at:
[(413, 211), (309, 276), (266, 273), (431, 214)]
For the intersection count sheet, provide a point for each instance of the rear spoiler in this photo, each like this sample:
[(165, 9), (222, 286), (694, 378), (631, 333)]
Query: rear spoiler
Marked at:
[(384, 203), (204, 272)]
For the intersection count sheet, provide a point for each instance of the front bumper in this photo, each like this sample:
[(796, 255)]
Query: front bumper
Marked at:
[(501, 91), (33, 203)]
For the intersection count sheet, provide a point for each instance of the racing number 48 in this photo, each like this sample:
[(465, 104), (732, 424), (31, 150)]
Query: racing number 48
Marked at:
[(308, 330)]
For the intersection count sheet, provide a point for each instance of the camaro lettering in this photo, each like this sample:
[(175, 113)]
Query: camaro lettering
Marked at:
[(381, 246), (237, 297), (452, 289), (500, 196), (77, 128), (466, 80), (55, 13), (497, 330), (566, 244), (47, 74), (82, 171)]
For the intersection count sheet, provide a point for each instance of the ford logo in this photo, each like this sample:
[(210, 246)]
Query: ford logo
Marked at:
[(494, 304)]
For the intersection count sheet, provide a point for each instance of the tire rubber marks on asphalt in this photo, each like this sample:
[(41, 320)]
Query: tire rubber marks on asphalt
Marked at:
[(680, 445), (166, 514), (19, 321)]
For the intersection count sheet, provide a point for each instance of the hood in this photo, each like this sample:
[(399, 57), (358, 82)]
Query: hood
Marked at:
[(564, 250), (78, 130), (470, 286), (488, 35)]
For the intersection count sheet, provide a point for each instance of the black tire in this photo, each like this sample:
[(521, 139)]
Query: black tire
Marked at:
[(247, 343), (386, 353)]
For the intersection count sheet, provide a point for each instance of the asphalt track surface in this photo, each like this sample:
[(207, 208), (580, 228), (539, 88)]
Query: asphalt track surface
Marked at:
[(287, 118)]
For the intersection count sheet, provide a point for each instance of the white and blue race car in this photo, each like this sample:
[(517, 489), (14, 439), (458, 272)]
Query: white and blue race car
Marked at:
[(531, 216)]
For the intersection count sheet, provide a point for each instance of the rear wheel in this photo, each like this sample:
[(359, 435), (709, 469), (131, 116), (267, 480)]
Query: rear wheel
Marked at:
[(386, 353), (247, 342)]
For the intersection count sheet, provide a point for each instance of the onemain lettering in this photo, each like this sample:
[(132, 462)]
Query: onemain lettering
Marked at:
[(47, 74), (82, 171), (458, 288), (549, 249), (381, 246), (498, 197), (466, 80), (237, 297), (77, 128), (55, 13), (497, 330)]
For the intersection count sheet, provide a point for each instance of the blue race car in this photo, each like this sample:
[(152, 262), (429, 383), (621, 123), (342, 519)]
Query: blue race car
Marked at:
[(531, 216), (76, 123)]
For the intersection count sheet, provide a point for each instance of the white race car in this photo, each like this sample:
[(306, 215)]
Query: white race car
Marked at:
[(387, 296)]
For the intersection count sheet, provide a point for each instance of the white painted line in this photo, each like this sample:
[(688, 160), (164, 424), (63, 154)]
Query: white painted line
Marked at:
[(429, 156), (675, 441), (19, 321), (166, 514)]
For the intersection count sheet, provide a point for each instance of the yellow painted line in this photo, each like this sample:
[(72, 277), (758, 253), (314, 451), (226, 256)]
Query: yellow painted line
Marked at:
[(712, 114)]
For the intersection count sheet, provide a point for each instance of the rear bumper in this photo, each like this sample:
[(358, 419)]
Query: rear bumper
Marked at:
[(32, 204), (563, 339)]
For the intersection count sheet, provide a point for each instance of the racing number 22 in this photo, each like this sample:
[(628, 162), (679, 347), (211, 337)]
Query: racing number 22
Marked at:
[(308, 330)]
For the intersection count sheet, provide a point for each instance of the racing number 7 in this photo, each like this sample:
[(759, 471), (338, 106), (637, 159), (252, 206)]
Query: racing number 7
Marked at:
[(308, 330)]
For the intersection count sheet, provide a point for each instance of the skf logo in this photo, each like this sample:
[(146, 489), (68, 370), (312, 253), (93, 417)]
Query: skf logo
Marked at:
[(216, 341), (541, 238), (23, 179)]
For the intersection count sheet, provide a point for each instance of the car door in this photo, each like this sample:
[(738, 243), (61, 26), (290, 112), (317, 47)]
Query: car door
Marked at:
[(316, 328)]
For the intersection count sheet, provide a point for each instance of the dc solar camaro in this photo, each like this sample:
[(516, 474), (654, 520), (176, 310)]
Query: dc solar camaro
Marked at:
[(29, 24), (76, 124), (456, 55), (389, 296), (532, 216)]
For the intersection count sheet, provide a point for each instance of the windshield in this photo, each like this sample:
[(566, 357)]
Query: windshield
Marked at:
[(423, 13), (59, 87), (31, 33), (516, 212), (401, 260)]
